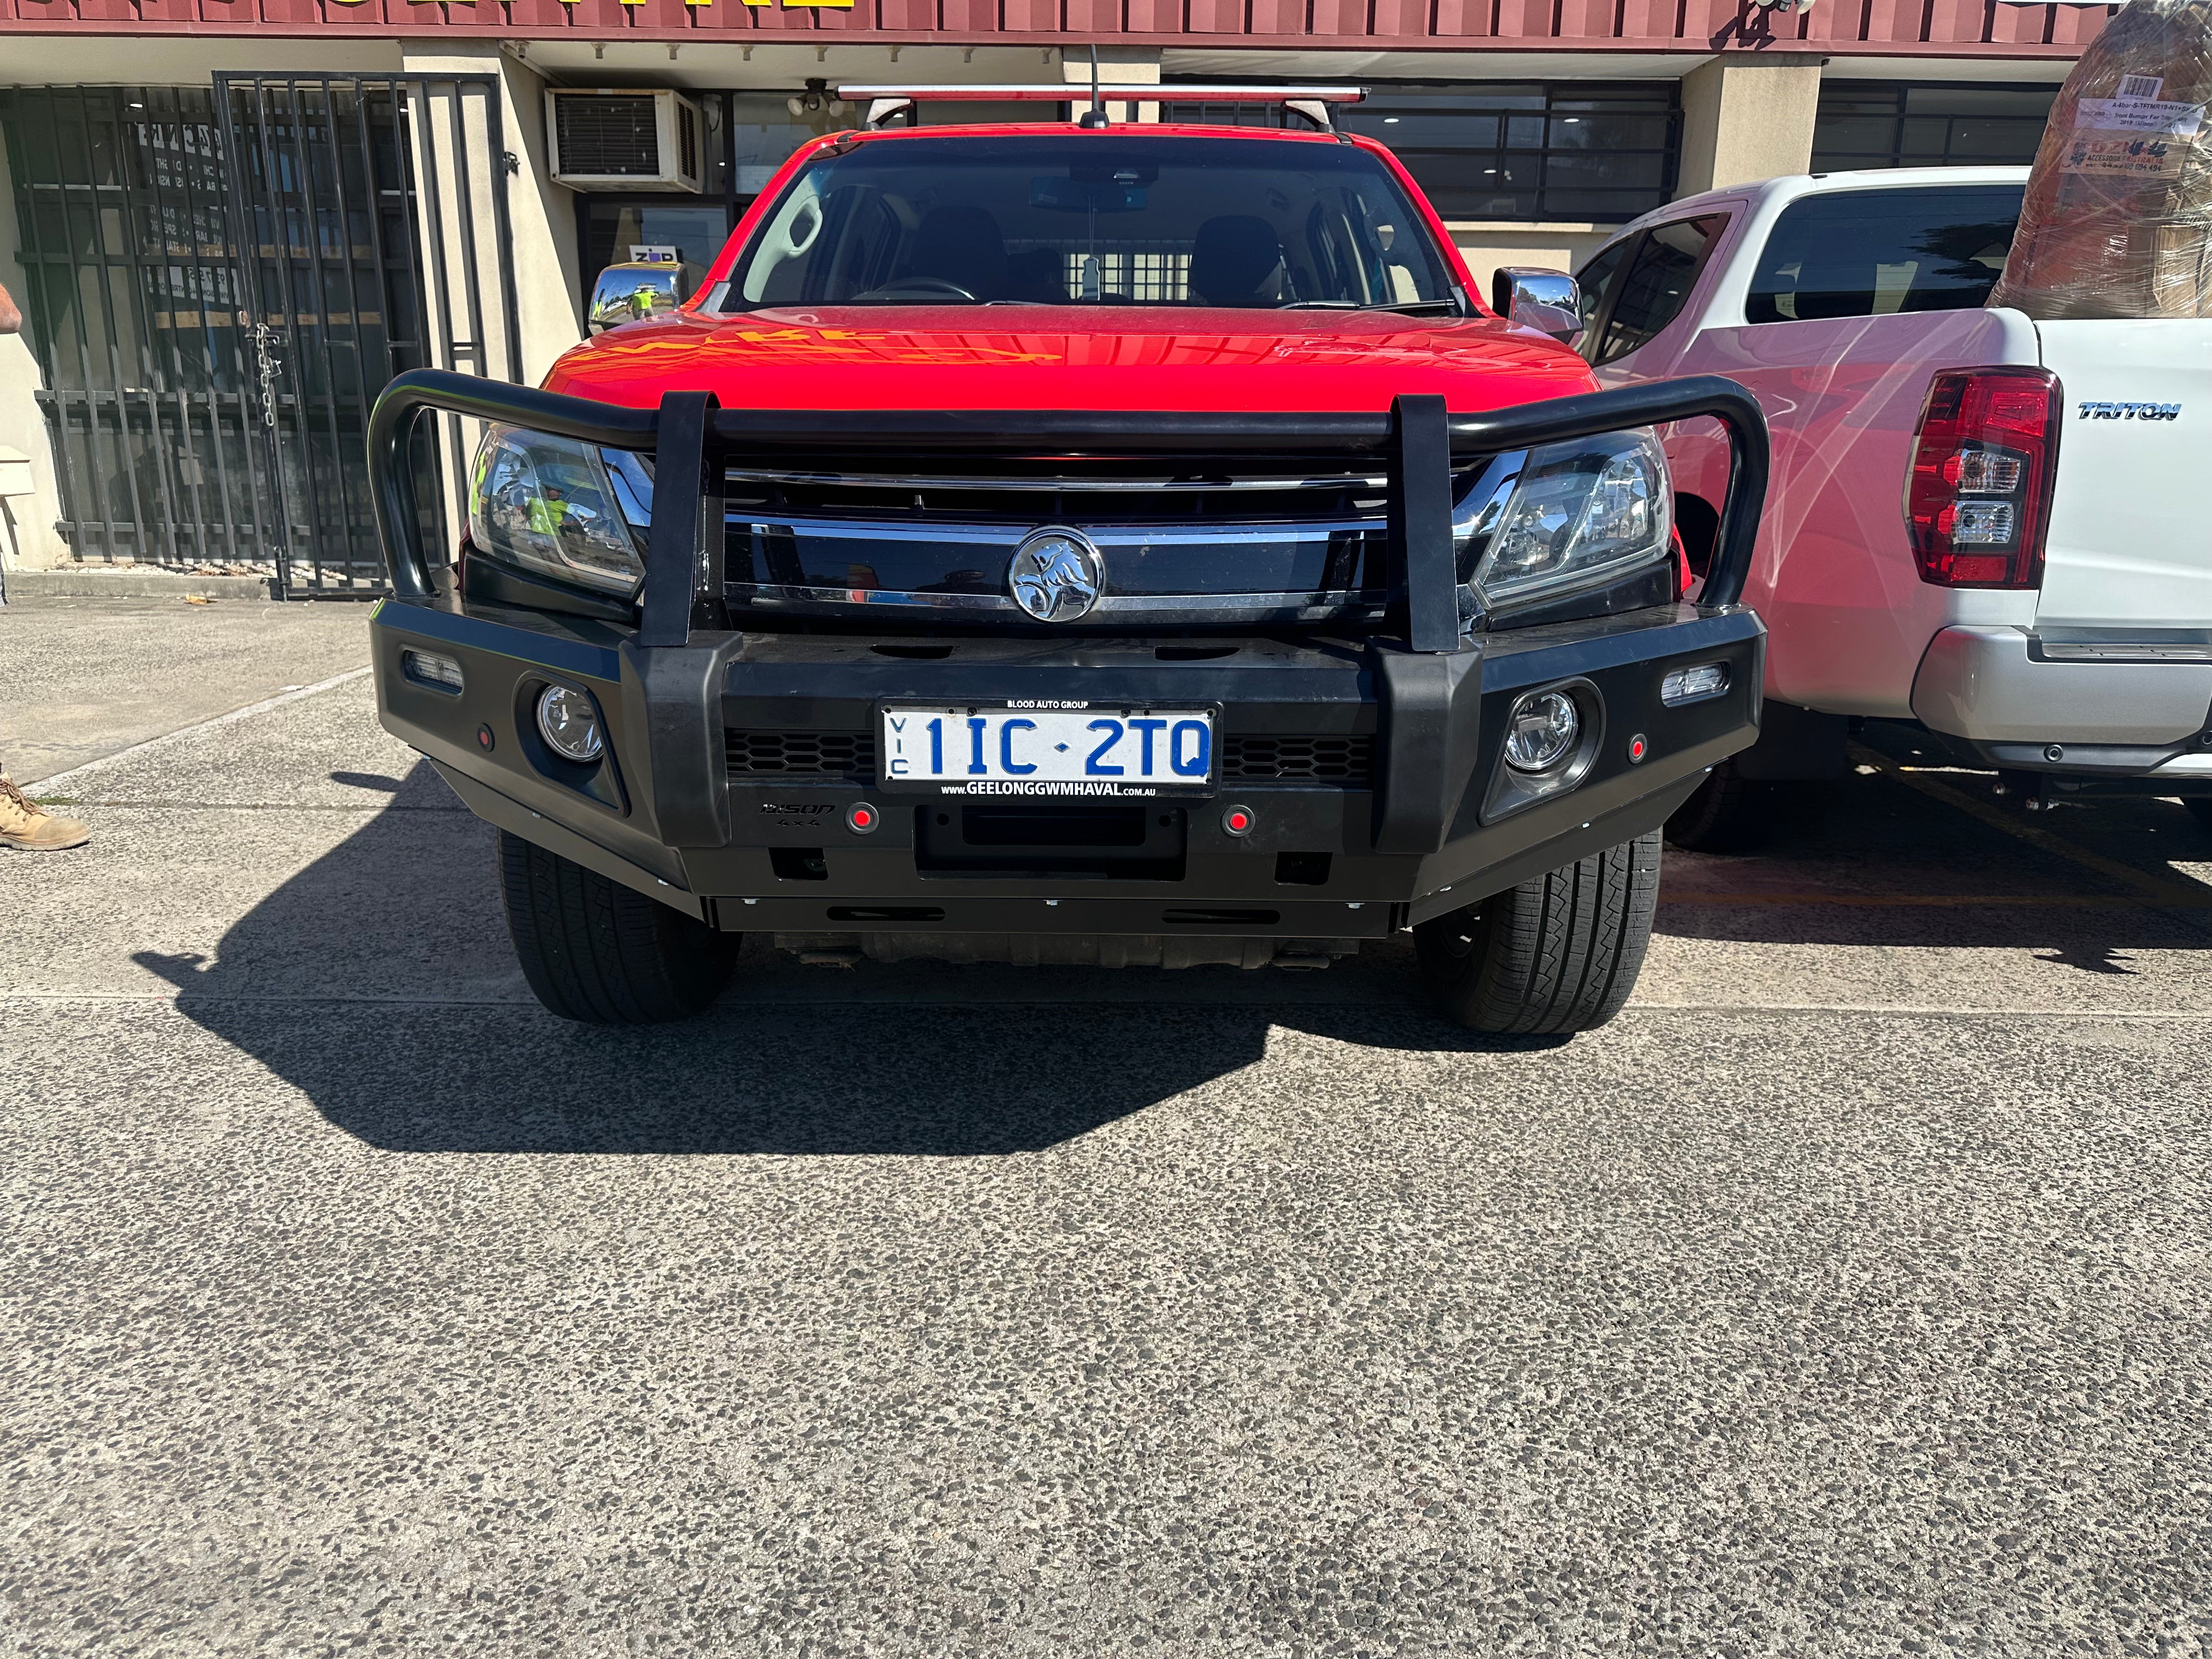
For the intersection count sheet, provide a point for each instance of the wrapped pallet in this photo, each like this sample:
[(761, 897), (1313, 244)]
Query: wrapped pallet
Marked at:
[(2118, 218)]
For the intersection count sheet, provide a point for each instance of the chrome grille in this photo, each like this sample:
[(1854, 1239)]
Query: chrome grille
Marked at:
[(1098, 496), (1287, 541)]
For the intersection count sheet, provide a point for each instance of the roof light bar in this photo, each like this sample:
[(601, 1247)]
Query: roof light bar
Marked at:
[(1312, 101)]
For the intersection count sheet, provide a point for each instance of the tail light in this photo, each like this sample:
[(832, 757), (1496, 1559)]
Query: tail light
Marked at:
[(1978, 500)]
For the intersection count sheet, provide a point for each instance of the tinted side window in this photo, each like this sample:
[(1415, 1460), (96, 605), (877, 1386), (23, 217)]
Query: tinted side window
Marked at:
[(1657, 283), (1873, 252), (1593, 279)]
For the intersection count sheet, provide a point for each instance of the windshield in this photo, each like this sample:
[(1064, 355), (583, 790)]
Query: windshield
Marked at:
[(1094, 218)]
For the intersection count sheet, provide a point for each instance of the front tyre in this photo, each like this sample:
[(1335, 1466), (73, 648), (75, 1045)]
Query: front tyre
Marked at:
[(600, 952), (1559, 954)]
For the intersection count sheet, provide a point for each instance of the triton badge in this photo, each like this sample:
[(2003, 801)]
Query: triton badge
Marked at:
[(2102, 411), (1056, 574)]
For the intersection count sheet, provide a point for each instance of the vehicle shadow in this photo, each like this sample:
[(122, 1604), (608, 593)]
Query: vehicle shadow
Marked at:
[(1870, 862), (379, 982), (414, 1033)]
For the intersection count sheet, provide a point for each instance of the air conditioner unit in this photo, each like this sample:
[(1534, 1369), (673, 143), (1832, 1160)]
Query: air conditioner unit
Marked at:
[(624, 139)]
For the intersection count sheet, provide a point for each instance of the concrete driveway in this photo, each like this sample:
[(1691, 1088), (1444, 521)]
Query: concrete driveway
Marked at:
[(1849, 1294)]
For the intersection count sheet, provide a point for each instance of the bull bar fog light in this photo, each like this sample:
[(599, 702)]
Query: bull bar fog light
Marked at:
[(569, 722), (1707, 679), (1541, 731), (431, 668)]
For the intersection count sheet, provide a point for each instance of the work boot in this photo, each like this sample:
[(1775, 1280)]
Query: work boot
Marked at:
[(25, 824)]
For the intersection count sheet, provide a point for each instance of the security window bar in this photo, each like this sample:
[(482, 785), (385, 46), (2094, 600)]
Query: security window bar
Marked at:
[(1526, 151), (219, 280), (1147, 275), (1875, 124), (322, 176), (131, 307)]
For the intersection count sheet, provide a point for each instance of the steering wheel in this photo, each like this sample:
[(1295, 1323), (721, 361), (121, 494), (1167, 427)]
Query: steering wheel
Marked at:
[(929, 284)]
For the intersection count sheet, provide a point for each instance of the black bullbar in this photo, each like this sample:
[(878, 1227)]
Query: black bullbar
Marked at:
[(1361, 783)]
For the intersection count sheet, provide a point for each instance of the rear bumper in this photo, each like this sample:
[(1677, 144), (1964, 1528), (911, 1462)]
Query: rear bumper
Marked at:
[(1413, 814), (2093, 708)]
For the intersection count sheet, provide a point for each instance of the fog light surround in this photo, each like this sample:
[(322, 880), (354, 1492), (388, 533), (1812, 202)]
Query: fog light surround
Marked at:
[(1552, 738), (569, 720), (1542, 729)]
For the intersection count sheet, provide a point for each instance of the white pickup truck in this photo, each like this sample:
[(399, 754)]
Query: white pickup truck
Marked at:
[(1987, 524)]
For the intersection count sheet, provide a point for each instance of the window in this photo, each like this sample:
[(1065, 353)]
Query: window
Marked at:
[(763, 133), (1595, 277), (1876, 124), (612, 227), (1871, 252), (1095, 219), (748, 135), (1589, 151), (1659, 280)]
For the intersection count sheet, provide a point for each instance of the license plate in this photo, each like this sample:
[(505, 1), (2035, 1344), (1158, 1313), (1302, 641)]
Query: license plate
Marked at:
[(1048, 749)]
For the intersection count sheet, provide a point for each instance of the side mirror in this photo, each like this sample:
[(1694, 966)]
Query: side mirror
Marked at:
[(628, 292), (1528, 296)]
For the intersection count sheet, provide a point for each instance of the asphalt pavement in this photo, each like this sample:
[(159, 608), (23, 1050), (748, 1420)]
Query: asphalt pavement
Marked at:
[(82, 678), (1848, 1295)]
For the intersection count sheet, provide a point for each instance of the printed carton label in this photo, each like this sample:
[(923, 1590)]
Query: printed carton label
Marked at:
[(2146, 115), (2137, 135), (2113, 156)]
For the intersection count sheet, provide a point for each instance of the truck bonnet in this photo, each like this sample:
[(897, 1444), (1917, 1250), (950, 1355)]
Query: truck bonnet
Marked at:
[(953, 357)]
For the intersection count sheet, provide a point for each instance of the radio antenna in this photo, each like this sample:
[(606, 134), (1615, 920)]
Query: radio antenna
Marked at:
[(1097, 116)]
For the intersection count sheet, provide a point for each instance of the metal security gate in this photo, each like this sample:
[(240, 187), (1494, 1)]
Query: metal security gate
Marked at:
[(130, 305), (220, 281), (371, 222)]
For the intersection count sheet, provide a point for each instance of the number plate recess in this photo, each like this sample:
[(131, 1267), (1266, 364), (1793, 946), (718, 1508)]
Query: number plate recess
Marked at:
[(1041, 749)]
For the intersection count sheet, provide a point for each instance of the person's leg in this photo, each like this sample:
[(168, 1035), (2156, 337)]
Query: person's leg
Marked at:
[(28, 827)]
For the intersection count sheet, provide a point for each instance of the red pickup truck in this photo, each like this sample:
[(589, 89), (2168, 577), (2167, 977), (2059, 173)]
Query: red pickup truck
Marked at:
[(1074, 543)]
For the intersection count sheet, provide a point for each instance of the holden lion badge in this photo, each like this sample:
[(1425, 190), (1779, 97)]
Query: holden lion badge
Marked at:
[(1056, 574)]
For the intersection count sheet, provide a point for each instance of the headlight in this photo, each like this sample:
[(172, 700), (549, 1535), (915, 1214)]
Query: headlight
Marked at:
[(1579, 513), (550, 504)]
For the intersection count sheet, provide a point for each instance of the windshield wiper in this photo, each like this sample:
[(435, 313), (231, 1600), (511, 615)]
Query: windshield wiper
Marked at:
[(1427, 307)]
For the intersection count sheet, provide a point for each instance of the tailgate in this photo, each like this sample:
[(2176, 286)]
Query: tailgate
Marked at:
[(2129, 546), (1835, 579)]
